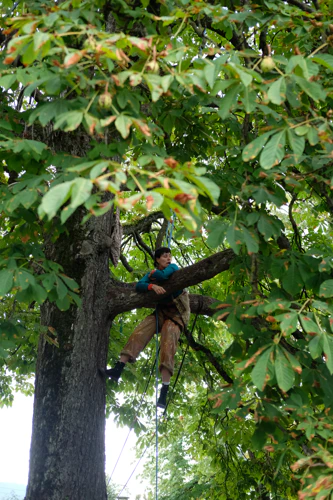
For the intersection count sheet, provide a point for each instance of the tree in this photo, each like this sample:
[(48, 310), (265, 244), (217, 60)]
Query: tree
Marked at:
[(113, 115)]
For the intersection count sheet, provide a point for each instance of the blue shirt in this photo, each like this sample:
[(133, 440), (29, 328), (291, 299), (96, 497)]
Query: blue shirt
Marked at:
[(159, 277)]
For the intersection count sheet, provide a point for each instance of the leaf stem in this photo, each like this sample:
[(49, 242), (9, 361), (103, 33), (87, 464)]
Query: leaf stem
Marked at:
[(317, 50), (91, 101)]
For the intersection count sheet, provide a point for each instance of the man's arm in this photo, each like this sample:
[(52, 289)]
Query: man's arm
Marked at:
[(165, 274), (143, 284)]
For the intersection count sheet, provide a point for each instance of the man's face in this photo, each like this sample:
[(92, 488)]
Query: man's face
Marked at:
[(164, 260)]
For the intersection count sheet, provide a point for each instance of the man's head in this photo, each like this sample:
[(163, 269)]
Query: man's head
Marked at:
[(162, 257)]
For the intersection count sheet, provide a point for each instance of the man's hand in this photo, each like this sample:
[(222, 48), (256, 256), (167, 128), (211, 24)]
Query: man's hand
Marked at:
[(158, 289)]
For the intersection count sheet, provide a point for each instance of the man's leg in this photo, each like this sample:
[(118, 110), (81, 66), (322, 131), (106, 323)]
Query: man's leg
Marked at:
[(140, 337), (169, 341)]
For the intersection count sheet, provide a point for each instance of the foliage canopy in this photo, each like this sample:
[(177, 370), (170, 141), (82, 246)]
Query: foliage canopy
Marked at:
[(218, 112)]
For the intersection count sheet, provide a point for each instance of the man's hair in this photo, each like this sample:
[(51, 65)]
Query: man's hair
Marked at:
[(160, 251)]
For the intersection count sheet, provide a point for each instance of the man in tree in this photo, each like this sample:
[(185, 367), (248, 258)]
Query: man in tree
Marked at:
[(173, 314)]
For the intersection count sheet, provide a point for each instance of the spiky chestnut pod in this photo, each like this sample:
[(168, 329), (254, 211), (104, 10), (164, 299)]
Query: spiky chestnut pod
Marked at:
[(105, 100)]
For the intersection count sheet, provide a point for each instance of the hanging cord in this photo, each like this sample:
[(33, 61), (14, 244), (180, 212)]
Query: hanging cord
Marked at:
[(156, 422), (168, 402), (169, 231), (183, 359), (136, 465), (134, 418), (156, 414)]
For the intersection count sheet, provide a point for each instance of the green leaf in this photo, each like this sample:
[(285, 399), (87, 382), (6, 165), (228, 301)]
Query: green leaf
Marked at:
[(123, 125), (268, 227), (245, 77), (54, 198), (216, 233), (228, 101), (293, 361), (208, 187), (40, 294), (234, 237), (288, 323), (6, 281), (63, 304), (328, 350), (209, 72), (292, 281), (222, 85), (27, 197), (273, 152), (251, 240), (40, 38), (312, 89), (301, 130), (81, 190), (324, 59), (153, 200), (73, 120), (29, 54), (297, 143), (7, 81), (23, 279), (313, 137), (66, 212), (277, 91), (260, 373), (284, 373), (249, 100), (326, 289), (252, 149), (309, 325), (61, 288), (166, 82), (70, 283), (316, 346)]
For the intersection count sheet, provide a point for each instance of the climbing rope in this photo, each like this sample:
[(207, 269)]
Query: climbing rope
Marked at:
[(156, 414), (169, 230), (157, 420), (134, 418)]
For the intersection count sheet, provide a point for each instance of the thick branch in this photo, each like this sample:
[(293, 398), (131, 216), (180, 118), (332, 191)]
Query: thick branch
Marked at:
[(143, 225), (238, 41), (162, 233), (124, 262), (301, 6), (210, 356), (125, 298)]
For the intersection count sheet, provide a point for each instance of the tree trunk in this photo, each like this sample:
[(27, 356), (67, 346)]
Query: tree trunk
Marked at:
[(67, 456)]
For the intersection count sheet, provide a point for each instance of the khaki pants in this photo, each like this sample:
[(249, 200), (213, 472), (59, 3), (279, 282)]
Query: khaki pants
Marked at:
[(144, 332)]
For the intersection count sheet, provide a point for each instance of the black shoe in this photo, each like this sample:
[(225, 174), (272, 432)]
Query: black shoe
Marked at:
[(114, 373), (161, 402)]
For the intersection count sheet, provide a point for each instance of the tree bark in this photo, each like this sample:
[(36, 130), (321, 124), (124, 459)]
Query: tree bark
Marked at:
[(67, 456)]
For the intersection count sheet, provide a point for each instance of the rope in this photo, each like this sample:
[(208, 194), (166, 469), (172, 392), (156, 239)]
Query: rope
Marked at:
[(168, 402), (183, 359), (169, 231), (137, 464), (156, 414), (134, 418)]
